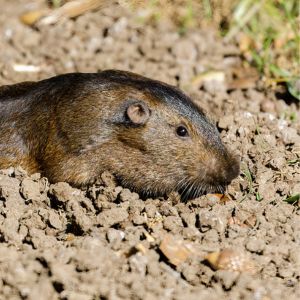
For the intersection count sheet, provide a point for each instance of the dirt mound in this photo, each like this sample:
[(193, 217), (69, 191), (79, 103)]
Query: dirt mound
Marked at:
[(58, 242)]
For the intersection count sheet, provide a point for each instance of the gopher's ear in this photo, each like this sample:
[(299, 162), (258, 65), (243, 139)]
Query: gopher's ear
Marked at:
[(138, 112)]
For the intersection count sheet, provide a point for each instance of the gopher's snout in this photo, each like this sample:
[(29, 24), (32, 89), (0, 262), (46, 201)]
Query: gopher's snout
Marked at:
[(228, 172), (224, 171)]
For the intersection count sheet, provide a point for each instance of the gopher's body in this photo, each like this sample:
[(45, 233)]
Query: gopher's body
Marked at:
[(150, 135)]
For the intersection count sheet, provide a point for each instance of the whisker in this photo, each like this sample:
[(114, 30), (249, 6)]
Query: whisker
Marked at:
[(190, 189)]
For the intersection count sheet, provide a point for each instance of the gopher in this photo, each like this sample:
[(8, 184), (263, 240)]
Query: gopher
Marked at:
[(149, 134)]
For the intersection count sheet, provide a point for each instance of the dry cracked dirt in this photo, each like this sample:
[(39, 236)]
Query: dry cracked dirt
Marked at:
[(104, 242)]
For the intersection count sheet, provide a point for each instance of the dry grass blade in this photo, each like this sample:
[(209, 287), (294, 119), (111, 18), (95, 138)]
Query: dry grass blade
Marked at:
[(31, 17), (76, 8), (73, 9)]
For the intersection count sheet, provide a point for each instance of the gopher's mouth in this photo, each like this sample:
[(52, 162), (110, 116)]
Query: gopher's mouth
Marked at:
[(193, 190), (188, 189)]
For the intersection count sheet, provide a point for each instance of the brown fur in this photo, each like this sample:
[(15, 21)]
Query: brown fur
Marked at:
[(73, 127)]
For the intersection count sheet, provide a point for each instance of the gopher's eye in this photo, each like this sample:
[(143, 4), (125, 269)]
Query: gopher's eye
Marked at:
[(182, 131)]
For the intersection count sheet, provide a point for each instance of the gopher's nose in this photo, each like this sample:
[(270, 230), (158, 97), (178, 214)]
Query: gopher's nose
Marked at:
[(224, 170), (232, 170)]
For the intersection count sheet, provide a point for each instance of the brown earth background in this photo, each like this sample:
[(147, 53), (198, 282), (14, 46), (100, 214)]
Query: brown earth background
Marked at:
[(104, 242)]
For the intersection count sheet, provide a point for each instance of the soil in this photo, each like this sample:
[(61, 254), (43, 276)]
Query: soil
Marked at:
[(103, 242)]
